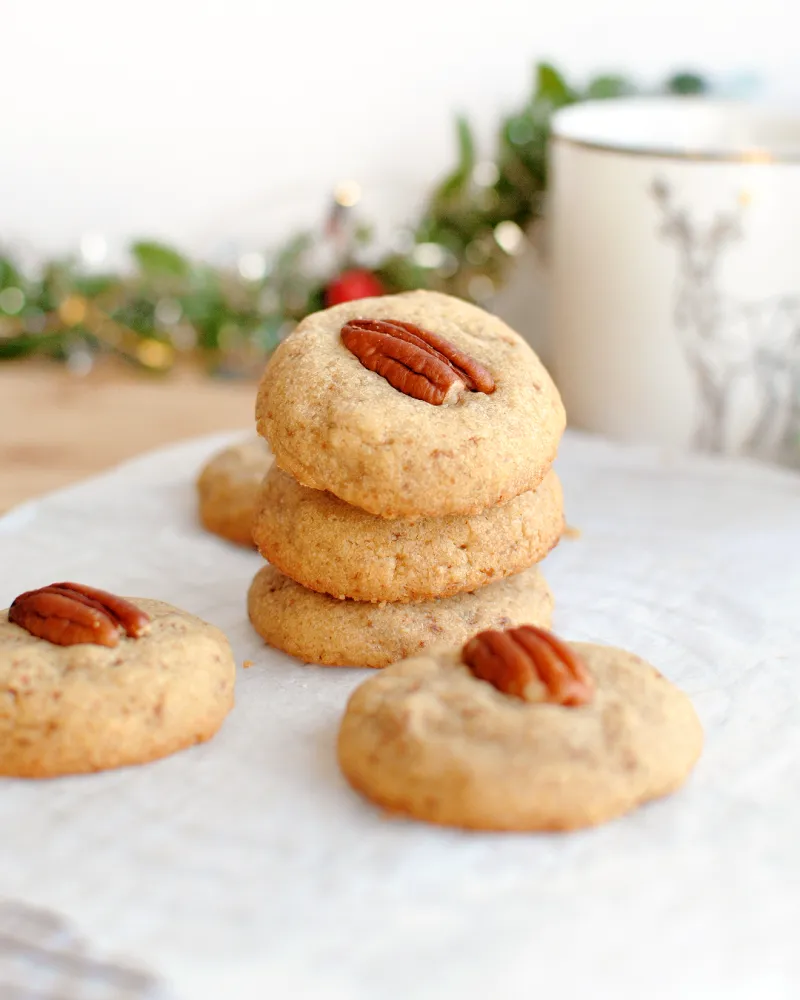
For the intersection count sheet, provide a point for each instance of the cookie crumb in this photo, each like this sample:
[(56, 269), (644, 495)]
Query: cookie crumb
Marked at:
[(248, 663), (571, 532)]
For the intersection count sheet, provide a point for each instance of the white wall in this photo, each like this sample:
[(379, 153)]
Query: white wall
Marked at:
[(204, 122)]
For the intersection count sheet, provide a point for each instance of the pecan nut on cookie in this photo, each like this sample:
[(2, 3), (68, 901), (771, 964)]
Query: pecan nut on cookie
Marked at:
[(412, 405), (90, 681), (518, 730)]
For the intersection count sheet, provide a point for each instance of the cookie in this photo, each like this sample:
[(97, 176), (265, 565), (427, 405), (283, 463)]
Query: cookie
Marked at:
[(321, 629), (69, 709), (427, 738), (228, 486), (335, 548), (336, 425)]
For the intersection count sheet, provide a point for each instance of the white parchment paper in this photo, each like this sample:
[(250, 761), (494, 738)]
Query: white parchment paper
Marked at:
[(246, 868)]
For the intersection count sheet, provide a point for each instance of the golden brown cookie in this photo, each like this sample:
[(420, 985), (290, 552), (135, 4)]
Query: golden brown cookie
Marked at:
[(321, 629), (336, 425), (68, 709), (228, 486), (428, 738), (335, 548)]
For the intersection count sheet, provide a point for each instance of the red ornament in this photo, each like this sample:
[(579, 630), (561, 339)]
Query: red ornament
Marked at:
[(352, 285)]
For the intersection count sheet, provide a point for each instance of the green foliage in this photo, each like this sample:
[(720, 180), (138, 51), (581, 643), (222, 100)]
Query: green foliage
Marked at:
[(552, 89), (159, 261), (94, 285), (453, 185), (9, 275), (461, 216), (686, 83), (605, 87), (170, 304), (19, 347)]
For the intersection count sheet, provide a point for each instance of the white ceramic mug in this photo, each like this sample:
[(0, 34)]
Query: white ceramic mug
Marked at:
[(675, 297)]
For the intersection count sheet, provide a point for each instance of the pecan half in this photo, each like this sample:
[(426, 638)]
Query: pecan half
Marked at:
[(70, 613), (531, 664), (415, 361)]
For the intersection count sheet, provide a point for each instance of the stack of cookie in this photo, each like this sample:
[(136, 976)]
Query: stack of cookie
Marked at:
[(412, 494)]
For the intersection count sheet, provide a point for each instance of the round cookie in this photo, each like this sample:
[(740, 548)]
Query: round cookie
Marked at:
[(321, 629), (73, 709), (429, 739), (228, 487), (336, 425), (335, 548)]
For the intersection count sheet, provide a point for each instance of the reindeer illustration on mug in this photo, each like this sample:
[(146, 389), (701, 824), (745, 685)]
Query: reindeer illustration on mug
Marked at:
[(732, 347)]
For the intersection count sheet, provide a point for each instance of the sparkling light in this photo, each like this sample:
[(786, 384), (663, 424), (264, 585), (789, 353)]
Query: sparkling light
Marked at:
[(94, 249), (509, 237), (154, 353), (12, 300), (168, 311), (429, 255), (252, 266), (485, 174), (347, 193), (72, 310), (80, 360)]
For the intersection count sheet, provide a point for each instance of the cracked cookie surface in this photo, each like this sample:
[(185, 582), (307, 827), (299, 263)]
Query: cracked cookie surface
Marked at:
[(73, 709), (320, 629), (337, 426)]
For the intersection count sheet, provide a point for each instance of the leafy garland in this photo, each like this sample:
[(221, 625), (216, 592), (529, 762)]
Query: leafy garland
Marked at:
[(168, 307)]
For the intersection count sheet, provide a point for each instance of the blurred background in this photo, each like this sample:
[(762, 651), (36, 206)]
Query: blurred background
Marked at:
[(224, 132), (204, 123)]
